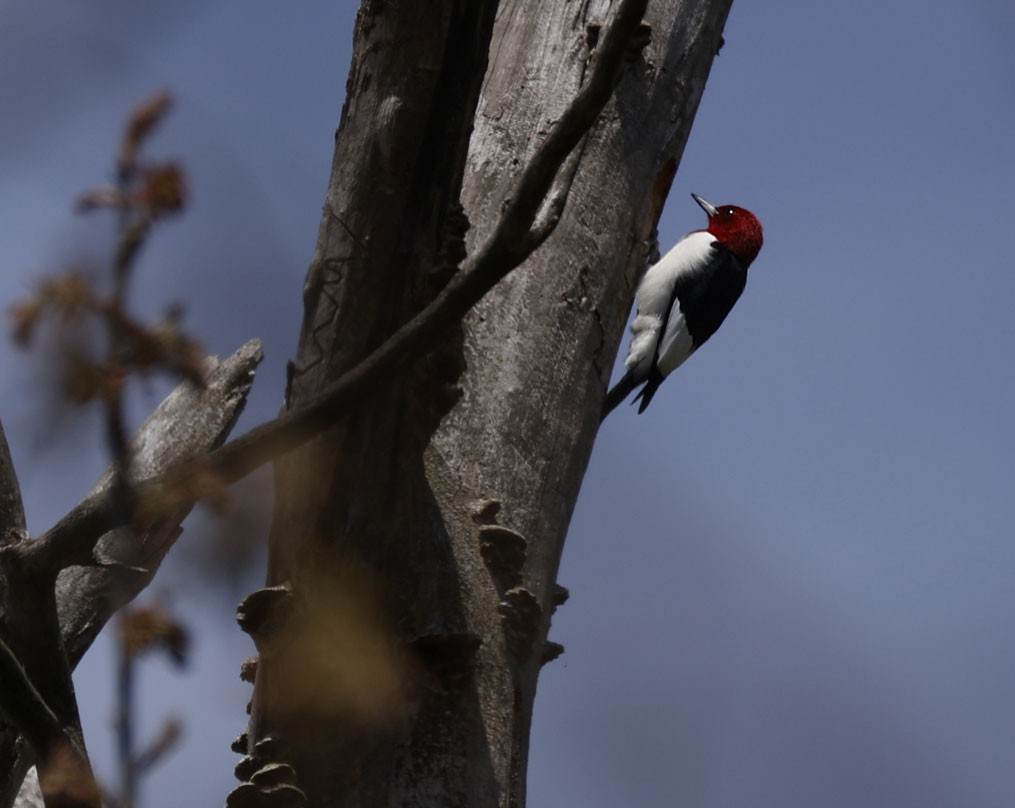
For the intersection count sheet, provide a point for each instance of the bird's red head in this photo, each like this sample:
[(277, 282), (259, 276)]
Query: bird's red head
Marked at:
[(736, 228)]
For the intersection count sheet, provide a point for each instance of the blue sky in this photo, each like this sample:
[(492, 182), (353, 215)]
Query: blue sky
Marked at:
[(790, 576)]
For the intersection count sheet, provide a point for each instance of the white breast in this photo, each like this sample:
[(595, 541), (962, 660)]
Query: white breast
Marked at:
[(659, 327)]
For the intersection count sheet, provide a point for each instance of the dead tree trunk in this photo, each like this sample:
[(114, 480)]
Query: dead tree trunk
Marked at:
[(415, 545)]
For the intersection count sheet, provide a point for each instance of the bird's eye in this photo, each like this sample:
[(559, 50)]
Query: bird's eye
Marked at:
[(729, 211)]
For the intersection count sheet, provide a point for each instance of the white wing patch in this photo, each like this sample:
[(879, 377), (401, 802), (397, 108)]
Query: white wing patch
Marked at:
[(676, 344), (646, 330), (660, 330)]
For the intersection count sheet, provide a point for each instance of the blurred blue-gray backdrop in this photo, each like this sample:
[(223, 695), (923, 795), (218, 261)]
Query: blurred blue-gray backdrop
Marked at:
[(790, 578)]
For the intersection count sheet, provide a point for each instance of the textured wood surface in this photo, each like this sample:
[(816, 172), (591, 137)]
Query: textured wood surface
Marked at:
[(539, 349), (451, 489)]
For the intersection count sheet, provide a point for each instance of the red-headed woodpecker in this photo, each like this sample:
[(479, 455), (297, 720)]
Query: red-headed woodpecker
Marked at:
[(684, 298)]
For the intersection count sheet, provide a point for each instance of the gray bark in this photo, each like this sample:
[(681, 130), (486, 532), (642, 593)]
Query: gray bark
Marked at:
[(539, 350), (416, 544)]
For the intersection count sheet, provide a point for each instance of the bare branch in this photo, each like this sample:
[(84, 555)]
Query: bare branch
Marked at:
[(553, 206), (164, 742)]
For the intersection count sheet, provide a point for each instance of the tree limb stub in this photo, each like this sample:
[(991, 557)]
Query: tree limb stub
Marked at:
[(188, 422)]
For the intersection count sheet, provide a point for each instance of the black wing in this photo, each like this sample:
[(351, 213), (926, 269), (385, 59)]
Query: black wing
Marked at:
[(706, 298)]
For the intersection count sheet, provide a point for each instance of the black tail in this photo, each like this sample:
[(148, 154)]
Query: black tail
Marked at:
[(649, 390), (620, 391), (626, 385)]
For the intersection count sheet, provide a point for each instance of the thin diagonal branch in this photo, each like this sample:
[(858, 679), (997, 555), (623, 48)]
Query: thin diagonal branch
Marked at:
[(553, 206), (21, 702), (71, 540)]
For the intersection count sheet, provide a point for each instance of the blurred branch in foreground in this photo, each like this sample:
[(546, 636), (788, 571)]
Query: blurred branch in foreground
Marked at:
[(54, 603)]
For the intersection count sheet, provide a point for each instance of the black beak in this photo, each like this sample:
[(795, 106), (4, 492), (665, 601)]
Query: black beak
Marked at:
[(706, 206)]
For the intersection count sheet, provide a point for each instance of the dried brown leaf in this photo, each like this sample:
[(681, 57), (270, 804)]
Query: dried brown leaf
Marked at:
[(68, 294), (85, 380), (153, 627), (162, 190), (24, 318), (143, 120)]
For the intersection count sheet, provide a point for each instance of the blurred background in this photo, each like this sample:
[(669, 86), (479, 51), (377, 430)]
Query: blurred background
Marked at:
[(790, 577)]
